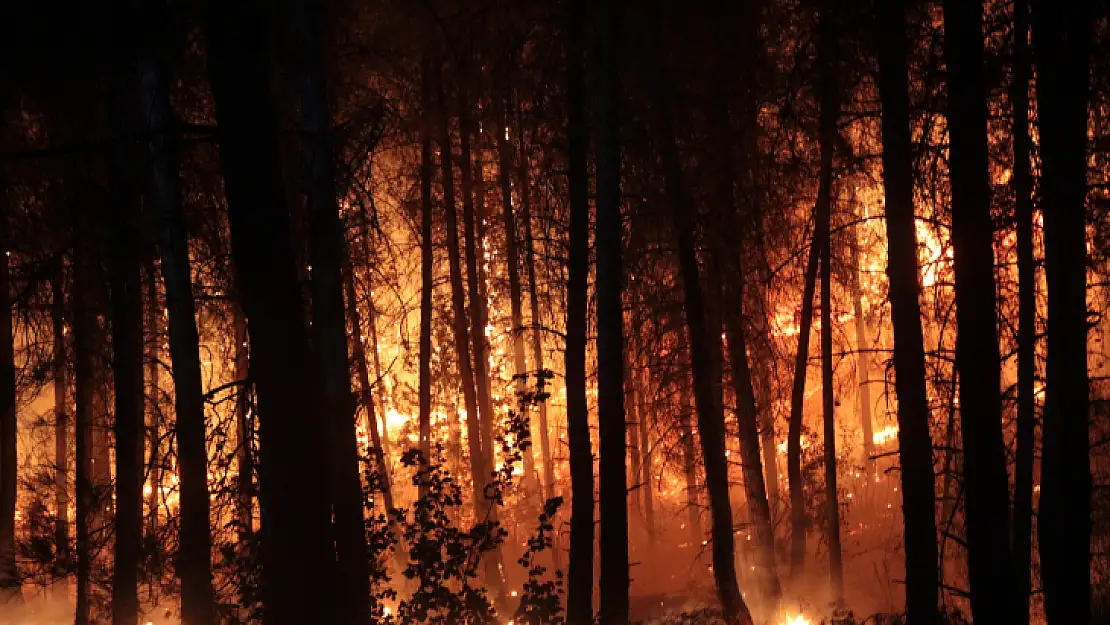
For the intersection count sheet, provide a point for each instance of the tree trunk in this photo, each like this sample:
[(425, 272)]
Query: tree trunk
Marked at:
[(244, 448), (327, 254), (125, 281), (636, 484), (427, 174), (60, 378), (298, 557), (153, 425), (914, 438), (799, 521), (194, 561), (1062, 34), (580, 583), (1027, 316), (10, 582), (612, 473), (689, 459), (646, 425), (863, 356), (828, 92), (703, 344), (537, 322), (986, 497), (478, 470)]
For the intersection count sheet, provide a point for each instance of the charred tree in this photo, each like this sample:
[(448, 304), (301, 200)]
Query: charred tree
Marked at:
[(1062, 34), (914, 437), (977, 360), (1026, 433), (298, 557), (193, 563), (581, 572), (60, 379)]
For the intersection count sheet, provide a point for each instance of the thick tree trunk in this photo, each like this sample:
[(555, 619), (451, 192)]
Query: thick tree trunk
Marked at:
[(1027, 316), (125, 281), (581, 572), (828, 92), (612, 473), (986, 497), (703, 343), (1062, 34), (914, 437), (10, 583), (298, 557), (194, 561), (327, 254), (60, 378), (427, 175), (478, 469)]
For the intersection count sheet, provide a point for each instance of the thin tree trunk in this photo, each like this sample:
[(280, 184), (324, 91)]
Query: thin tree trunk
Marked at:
[(427, 174), (244, 453), (765, 371), (635, 503), (828, 90), (914, 437), (799, 521), (153, 425), (10, 582), (60, 377), (372, 322), (1027, 316), (646, 425), (537, 322), (512, 261), (703, 344), (612, 473), (581, 572), (689, 456), (194, 561), (478, 471), (298, 555), (986, 497), (327, 253), (1062, 43), (863, 356)]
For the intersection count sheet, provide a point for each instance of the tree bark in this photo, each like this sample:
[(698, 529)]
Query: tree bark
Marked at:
[(580, 583), (193, 564), (298, 557), (914, 437), (986, 497), (1062, 34), (1026, 429), (327, 254)]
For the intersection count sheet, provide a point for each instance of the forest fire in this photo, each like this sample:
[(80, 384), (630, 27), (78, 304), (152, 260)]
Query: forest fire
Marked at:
[(555, 312)]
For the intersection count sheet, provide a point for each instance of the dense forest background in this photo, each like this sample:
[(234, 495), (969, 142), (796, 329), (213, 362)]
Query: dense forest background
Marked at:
[(535, 311)]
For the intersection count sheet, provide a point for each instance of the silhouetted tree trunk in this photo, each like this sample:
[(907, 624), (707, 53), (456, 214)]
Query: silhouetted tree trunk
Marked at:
[(10, 582), (863, 355), (798, 518), (523, 180), (327, 254), (703, 342), (612, 473), (154, 423), (689, 459), (60, 379), (636, 484), (298, 557), (1062, 33), (1026, 428), (829, 96), (194, 560), (427, 175), (244, 453), (646, 424), (580, 583), (125, 280), (478, 471), (914, 438), (986, 496)]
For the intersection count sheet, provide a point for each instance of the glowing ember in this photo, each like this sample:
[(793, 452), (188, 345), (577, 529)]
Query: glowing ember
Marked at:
[(797, 620)]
